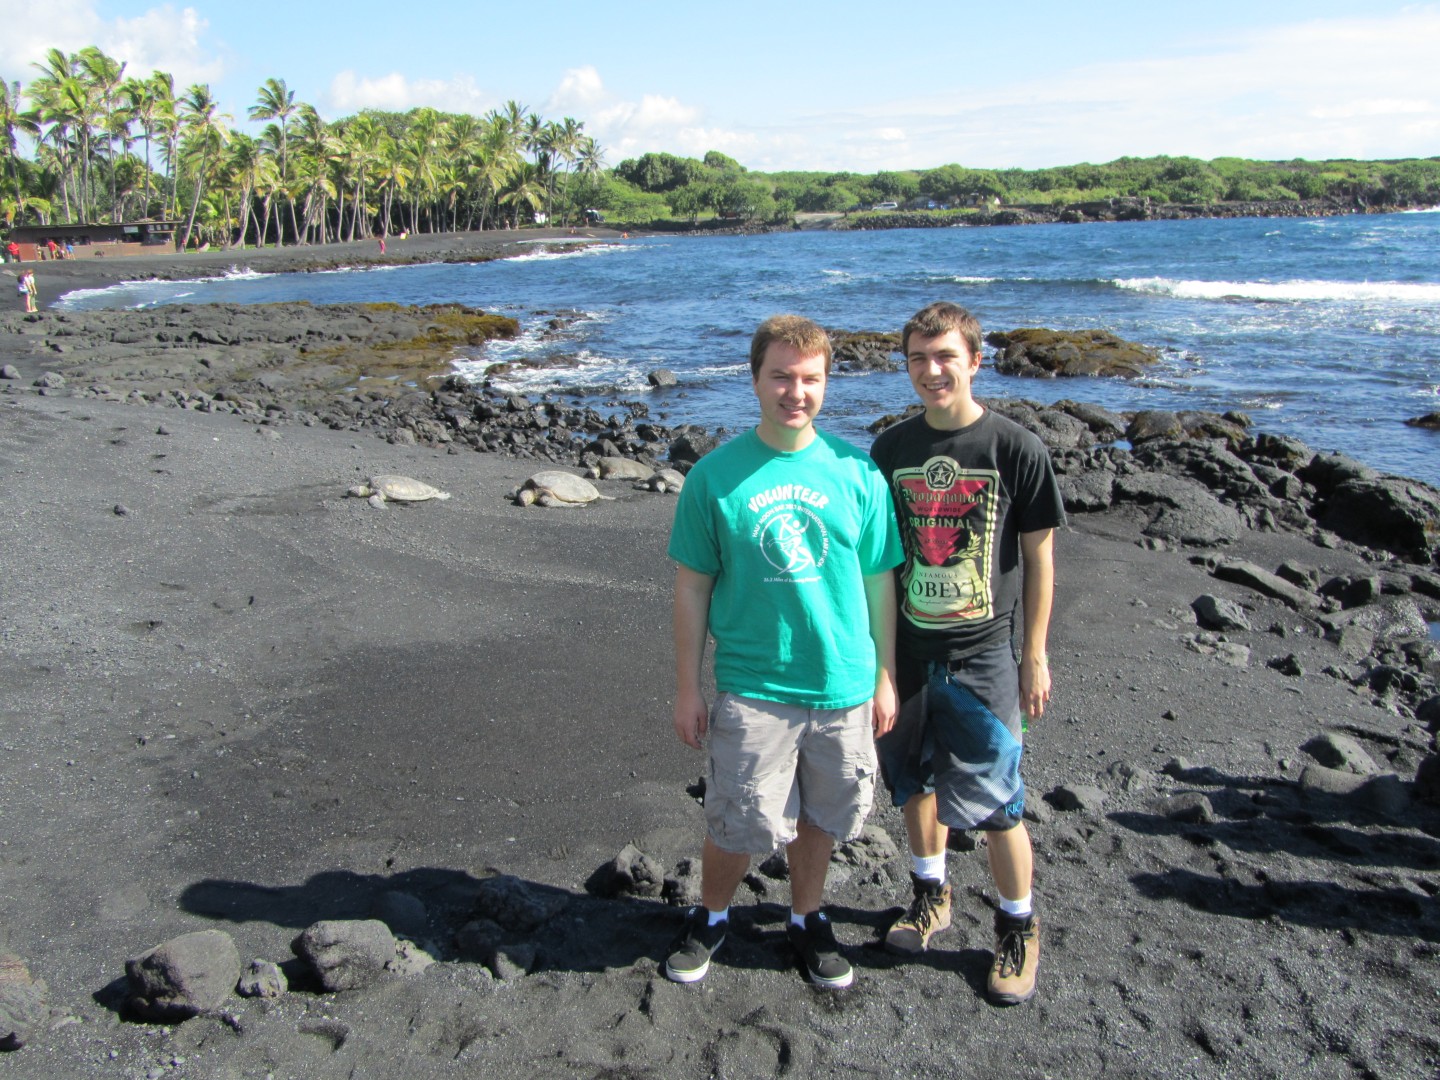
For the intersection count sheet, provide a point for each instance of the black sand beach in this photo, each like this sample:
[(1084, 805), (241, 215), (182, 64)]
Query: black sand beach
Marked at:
[(235, 699)]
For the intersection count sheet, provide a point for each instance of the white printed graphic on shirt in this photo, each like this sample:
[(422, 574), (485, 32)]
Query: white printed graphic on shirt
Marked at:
[(791, 535)]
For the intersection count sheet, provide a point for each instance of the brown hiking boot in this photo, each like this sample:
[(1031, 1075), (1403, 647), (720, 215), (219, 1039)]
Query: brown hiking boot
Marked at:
[(1017, 958), (929, 914)]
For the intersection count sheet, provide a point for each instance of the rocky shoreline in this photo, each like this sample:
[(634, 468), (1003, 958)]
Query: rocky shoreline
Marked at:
[(1114, 209), (416, 761)]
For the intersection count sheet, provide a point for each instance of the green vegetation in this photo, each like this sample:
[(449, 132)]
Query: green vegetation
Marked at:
[(85, 142), (106, 147)]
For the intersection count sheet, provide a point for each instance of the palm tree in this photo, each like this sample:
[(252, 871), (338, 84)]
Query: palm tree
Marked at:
[(142, 103), (527, 189), (267, 184), (244, 162), (491, 166), (360, 151), (422, 147), (204, 136), (166, 121), (11, 123), (393, 178), (276, 101), (101, 76), (53, 119), (316, 151)]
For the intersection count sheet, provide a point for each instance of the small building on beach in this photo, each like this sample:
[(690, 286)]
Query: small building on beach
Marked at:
[(121, 238)]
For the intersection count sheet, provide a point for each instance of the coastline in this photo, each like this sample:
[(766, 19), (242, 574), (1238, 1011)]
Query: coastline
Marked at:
[(55, 278)]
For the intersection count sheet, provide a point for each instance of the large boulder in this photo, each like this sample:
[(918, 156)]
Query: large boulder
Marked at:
[(1387, 512), (184, 977), (1044, 354), (1180, 510), (23, 1007), (346, 954), (865, 351), (690, 445)]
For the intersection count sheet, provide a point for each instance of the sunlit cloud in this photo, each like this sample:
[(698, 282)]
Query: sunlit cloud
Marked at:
[(654, 122), (163, 38), (580, 88), (395, 92)]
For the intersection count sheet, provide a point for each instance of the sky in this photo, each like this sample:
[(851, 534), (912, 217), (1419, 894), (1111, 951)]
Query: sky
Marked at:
[(829, 86)]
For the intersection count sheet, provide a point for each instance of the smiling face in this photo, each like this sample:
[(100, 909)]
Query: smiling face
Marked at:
[(790, 387), (941, 370)]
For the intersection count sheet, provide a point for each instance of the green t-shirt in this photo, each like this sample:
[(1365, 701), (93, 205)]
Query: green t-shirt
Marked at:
[(789, 539)]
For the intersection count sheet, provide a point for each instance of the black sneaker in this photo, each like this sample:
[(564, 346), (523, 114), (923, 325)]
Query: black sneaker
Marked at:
[(820, 952), (689, 957)]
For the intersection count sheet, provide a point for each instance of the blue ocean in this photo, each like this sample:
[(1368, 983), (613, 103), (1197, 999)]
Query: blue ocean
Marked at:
[(1325, 329)]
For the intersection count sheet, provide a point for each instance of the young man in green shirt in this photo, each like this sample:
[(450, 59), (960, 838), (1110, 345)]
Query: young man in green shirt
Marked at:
[(785, 541)]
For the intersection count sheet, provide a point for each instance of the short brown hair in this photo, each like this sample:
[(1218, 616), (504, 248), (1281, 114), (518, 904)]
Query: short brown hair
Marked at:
[(940, 318), (802, 335)]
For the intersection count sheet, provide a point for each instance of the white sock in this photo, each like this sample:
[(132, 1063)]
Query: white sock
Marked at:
[(1016, 909), (717, 917), (929, 867), (796, 919)]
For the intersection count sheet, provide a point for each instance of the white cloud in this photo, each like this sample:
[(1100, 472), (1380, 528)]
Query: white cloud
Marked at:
[(580, 88), (656, 122), (161, 39), (1358, 87), (394, 92)]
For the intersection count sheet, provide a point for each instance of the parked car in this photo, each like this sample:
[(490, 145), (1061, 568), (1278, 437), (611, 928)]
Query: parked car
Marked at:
[(887, 206)]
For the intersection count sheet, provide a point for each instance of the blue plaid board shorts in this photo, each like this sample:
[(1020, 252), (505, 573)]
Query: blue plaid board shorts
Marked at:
[(959, 735)]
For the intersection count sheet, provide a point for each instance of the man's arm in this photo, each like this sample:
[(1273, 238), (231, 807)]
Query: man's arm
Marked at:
[(880, 601), (692, 617), (1037, 550)]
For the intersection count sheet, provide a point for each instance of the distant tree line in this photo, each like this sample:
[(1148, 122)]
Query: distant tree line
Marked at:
[(718, 185)]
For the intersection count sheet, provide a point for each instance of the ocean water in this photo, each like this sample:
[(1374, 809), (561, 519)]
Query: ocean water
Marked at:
[(1325, 329)]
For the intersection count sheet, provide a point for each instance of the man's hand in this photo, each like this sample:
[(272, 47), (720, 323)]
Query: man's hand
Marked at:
[(886, 705), (1034, 685), (691, 719)]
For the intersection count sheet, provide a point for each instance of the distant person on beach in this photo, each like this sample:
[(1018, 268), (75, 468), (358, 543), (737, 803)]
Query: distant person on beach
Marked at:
[(12, 249), (26, 289), (69, 250), (785, 542), (977, 502), (382, 245)]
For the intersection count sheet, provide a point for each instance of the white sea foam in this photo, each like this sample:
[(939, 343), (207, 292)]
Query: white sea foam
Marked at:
[(1287, 291), (588, 370), (589, 248), (724, 369), (153, 291)]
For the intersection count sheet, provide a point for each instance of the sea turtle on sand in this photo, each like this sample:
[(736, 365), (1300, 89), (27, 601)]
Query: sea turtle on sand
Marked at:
[(664, 480), (402, 489), (617, 468), (555, 488)]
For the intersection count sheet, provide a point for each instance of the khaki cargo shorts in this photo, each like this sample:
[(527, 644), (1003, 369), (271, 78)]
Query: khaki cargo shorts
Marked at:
[(772, 765)]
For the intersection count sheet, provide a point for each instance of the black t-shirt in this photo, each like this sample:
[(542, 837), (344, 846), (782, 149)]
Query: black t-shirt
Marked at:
[(962, 499)]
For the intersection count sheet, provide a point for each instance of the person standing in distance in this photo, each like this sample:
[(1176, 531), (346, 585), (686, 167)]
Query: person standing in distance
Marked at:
[(785, 541), (977, 502)]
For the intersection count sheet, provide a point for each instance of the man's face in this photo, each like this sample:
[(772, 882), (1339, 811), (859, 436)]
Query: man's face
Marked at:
[(791, 389), (941, 369)]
